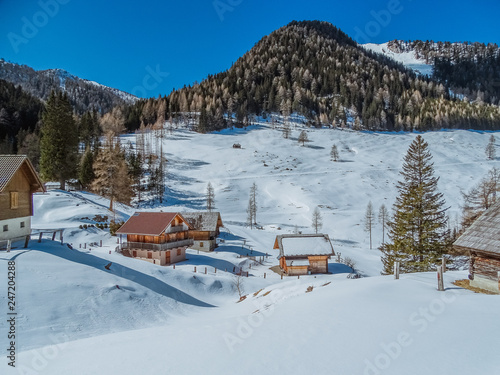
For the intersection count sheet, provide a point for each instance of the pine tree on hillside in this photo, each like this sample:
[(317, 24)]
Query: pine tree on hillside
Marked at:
[(334, 153), (86, 171), (369, 220), (317, 221), (210, 197), (303, 138), (490, 148), (383, 219), (480, 197), (111, 174), (59, 140), (418, 230), (252, 206), (136, 170)]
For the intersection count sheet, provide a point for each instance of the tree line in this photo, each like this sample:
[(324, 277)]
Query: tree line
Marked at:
[(314, 69)]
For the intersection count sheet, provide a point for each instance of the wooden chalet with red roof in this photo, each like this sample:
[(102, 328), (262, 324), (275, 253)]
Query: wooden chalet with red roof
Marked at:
[(157, 237)]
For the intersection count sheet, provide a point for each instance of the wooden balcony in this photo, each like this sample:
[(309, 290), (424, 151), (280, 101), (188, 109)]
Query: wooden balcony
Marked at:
[(156, 247), (176, 229)]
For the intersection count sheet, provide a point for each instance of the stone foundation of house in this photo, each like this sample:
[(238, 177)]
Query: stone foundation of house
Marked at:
[(485, 283)]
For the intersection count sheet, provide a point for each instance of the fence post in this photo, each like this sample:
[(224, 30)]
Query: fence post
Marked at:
[(338, 257), (40, 237), (9, 245), (265, 275), (174, 266), (443, 264), (194, 269), (100, 243), (396, 270), (440, 279), (215, 269), (205, 270), (53, 236)]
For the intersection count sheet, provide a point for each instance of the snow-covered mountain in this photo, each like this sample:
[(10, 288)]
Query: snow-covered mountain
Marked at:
[(84, 94), (143, 318)]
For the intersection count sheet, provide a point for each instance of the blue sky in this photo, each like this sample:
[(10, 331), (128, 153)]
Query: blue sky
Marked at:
[(149, 47)]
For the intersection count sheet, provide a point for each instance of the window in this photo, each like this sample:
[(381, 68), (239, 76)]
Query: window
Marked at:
[(22, 224), (179, 252), (201, 244), (5, 228), (14, 199), (150, 255)]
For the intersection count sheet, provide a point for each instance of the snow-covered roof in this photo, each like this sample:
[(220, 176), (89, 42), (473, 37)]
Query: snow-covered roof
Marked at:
[(484, 234), (203, 221), (303, 245)]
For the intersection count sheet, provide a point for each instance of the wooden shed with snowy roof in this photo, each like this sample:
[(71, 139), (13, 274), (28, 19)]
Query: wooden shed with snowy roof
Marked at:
[(206, 227), (157, 237), (303, 254), (482, 241), (18, 182)]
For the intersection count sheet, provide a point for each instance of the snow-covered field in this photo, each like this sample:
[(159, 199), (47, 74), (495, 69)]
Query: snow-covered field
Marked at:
[(75, 317), (408, 59)]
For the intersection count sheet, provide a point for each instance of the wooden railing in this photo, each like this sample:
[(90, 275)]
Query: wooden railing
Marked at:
[(176, 229), (156, 247)]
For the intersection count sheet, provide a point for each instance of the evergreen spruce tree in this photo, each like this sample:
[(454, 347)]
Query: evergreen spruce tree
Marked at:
[(59, 140), (86, 171), (417, 232), (136, 171)]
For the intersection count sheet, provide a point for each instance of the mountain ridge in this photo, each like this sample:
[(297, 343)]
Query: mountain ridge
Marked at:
[(84, 94), (314, 69)]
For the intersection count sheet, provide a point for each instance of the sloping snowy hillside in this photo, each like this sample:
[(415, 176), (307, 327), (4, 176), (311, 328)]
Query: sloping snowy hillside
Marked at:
[(408, 59), (138, 317)]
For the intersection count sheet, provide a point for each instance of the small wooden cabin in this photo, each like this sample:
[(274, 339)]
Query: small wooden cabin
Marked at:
[(157, 237), (304, 254), (482, 241), (206, 227), (18, 182)]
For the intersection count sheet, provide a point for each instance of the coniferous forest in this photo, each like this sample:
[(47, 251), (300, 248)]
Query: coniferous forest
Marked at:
[(314, 69), (311, 68)]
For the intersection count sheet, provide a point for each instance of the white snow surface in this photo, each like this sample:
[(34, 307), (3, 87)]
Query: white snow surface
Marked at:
[(76, 317), (408, 59)]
